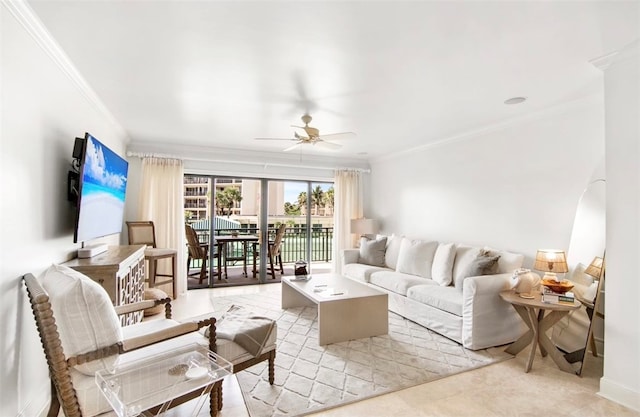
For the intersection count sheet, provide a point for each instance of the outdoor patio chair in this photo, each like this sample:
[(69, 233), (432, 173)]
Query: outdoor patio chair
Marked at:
[(197, 250), (275, 254)]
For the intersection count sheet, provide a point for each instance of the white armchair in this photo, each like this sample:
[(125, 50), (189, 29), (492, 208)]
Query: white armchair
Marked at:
[(81, 333)]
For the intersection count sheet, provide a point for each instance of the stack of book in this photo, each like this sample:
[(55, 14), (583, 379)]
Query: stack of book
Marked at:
[(551, 297)]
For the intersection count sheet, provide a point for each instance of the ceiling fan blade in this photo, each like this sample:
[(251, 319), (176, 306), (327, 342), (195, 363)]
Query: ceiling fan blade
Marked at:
[(288, 139), (290, 148), (328, 145), (339, 136)]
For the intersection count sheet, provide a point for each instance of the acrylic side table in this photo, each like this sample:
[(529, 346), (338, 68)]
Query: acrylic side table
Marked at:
[(532, 312), (157, 381)]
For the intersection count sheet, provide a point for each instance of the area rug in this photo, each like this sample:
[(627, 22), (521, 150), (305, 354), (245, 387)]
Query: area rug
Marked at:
[(310, 378)]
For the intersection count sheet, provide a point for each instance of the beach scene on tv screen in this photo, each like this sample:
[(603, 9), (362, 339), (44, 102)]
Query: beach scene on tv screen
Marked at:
[(104, 184)]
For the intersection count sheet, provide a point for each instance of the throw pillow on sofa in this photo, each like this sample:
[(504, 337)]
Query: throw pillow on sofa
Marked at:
[(483, 264), (416, 257), (393, 250), (442, 268), (465, 255), (508, 261), (372, 251)]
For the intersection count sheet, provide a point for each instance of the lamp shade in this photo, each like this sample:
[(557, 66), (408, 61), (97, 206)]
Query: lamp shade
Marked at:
[(363, 226), (551, 260), (595, 267)]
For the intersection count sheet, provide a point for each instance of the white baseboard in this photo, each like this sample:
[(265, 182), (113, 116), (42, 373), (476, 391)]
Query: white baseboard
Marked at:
[(613, 391)]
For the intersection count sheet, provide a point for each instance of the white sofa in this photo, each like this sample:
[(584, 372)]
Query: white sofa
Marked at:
[(448, 288)]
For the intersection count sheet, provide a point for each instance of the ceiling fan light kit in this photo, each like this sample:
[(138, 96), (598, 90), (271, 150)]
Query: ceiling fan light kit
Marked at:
[(313, 136)]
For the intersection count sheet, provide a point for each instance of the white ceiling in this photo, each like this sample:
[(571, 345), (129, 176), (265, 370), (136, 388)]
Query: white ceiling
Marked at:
[(399, 74)]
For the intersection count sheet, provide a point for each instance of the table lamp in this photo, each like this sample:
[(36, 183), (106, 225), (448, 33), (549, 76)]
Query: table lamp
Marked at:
[(551, 261), (595, 268), (363, 226)]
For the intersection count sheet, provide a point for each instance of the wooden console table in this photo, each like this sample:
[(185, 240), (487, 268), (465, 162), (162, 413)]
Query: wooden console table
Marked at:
[(120, 270)]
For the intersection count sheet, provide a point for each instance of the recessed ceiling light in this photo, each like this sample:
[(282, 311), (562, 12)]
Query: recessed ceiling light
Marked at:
[(515, 100)]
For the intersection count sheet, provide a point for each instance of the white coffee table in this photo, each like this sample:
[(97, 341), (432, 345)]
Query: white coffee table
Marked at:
[(347, 309)]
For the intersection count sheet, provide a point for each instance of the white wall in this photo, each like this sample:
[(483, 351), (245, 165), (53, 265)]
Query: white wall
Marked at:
[(514, 187), (42, 111), (621, 379), (518, 187)]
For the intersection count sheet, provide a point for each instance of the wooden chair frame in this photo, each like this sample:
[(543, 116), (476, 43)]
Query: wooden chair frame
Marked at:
[(197, 250), (153, 259), (274, 250), (63, 393)]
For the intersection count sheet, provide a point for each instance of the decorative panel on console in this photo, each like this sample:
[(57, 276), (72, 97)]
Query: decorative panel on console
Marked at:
[(121, 271)]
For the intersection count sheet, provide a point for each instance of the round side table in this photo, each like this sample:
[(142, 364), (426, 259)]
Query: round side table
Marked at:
[(533, 313)]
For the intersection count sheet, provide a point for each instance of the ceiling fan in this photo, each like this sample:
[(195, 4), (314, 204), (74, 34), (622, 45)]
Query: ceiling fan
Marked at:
[(313, 137)]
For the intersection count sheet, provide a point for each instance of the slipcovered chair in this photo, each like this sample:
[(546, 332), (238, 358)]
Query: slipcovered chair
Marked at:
[(81, 333)]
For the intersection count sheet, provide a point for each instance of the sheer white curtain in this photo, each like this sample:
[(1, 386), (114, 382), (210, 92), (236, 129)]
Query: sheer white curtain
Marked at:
[(162, 201), (348, 205)]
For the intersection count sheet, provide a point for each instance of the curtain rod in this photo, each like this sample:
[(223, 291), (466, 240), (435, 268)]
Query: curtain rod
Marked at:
[(263, 164)]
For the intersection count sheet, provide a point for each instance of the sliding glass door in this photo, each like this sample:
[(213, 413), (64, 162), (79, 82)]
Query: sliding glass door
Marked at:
[(306, 210), (255, 230)]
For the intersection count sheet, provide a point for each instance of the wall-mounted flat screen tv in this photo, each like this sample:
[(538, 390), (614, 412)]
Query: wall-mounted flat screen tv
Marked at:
[(102, 184)]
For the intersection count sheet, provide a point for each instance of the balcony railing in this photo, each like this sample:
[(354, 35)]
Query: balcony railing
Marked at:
[(195, 180), (196, 193), (294, 242)]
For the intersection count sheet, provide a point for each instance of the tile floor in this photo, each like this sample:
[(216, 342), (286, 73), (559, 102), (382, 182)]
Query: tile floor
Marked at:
[(502, 389)]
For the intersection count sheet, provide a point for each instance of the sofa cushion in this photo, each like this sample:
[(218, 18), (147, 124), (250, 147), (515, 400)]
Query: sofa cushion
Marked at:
[(372, 251), (448, 299), (416, 257), (393, 250), (85, 316), (508, 261), (147, 327), (360, 272), (465, 255), (398, 282), (442, 268)]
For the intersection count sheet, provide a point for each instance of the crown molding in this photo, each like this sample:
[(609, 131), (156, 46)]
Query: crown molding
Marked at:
[(630, 52), (244, 157), (495, 127), (27, 18), (603, 62)]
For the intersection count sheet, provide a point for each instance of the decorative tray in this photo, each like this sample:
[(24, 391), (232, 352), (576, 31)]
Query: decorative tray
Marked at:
[(558, 287)]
